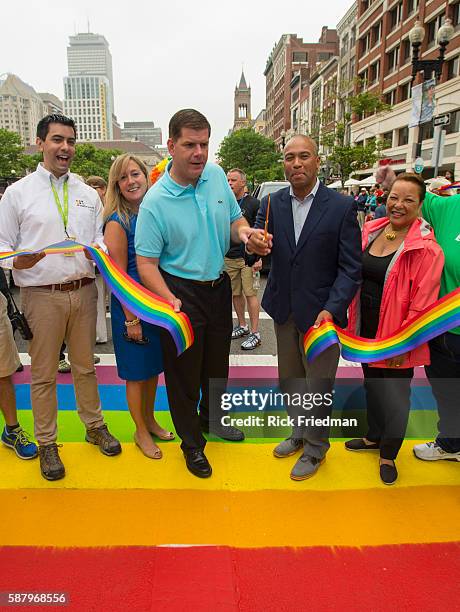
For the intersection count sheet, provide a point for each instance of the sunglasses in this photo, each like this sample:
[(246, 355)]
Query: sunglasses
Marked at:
[(141, 341)]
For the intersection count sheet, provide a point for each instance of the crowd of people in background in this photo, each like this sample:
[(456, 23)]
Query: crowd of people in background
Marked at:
[(370, 262)]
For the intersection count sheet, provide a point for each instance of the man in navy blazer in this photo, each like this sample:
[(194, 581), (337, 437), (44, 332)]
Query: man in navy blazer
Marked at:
[(315, 244)]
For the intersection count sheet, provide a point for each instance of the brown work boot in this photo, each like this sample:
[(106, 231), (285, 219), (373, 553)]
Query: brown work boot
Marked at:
[(108, 445), (51, 465)]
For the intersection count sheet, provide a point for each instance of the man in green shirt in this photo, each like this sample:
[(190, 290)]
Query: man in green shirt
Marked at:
[(443, 214)]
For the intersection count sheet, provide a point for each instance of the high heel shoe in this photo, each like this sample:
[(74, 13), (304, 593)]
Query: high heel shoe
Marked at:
[(148, 452)]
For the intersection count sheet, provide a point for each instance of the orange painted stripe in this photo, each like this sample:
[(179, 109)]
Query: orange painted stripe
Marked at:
[(250, 519)]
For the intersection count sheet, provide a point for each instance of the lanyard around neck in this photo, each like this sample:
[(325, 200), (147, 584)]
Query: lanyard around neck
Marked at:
[(63, 210)]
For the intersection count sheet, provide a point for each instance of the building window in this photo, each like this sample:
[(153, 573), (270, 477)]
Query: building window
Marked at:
[(405, 92), (454, 15), (376, 33), (344, 46), (352, 68), (387, 138), (324, 55), (412, 6), (433, 28), (365, 43), (352, 37), (390, 97), (374, 72), (405, 51), (453, 67), (300, 56), (395, 16), (426, 131), (403, 136), (393, 59), (454, 125)]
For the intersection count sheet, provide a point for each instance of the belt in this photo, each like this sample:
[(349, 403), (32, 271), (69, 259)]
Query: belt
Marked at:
[(210, 283), (69, 286)]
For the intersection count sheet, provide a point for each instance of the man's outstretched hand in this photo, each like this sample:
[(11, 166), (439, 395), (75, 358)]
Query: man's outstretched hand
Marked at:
[(256, 242)]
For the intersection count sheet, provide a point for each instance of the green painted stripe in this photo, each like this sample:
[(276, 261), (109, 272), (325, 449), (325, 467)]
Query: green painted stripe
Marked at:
[(422, 424)]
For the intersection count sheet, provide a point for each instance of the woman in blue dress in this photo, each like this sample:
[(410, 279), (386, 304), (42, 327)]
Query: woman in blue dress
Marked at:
[(136, 343)]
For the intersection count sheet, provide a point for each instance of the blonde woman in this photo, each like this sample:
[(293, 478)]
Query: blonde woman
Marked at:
[(136, 343)]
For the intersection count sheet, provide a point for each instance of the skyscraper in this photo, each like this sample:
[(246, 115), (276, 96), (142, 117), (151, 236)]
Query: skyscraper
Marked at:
[(88, 88), (21, 107)]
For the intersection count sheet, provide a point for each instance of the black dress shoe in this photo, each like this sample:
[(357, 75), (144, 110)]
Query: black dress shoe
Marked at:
[(225, 432), (197, 463), (388, 473), (358, 444)]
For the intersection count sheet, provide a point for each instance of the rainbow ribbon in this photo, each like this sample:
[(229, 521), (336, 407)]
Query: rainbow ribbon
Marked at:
[(438, 318), (136, 298)]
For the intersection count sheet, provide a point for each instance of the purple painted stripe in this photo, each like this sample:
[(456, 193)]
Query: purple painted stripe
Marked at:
[(107, 375)]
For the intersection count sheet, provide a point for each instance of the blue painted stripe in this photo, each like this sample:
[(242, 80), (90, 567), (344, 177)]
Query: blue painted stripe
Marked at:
[(347, 397)]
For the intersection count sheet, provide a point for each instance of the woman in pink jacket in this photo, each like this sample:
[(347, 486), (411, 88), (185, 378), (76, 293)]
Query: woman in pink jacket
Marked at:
[(402, 265)]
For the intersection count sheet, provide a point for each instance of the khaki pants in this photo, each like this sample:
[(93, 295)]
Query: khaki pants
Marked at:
[(55, 316)]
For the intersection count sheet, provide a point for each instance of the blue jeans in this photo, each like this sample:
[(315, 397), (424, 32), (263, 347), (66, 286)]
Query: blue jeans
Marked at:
[(444, 377)]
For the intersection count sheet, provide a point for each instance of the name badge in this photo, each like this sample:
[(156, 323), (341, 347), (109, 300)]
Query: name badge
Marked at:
[(70, 253)]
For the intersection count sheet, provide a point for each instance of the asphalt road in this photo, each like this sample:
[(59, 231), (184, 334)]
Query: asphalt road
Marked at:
[(268, 346)]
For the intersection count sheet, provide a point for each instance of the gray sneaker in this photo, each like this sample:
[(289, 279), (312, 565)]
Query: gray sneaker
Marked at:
[(306, 467), (100, 436), (288, 447)]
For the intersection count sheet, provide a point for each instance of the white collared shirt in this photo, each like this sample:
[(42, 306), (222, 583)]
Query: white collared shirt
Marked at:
[(30, 219), (301, 208)]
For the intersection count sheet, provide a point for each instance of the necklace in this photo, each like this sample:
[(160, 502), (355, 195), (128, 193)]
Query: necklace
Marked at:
[(391, 235)]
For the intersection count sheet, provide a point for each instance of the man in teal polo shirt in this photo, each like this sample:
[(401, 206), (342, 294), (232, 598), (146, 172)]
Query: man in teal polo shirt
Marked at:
[(183, 231), (443, 214)]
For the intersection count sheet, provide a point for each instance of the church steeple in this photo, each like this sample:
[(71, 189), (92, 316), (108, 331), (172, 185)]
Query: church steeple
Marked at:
[(242, 84), (242, 106)]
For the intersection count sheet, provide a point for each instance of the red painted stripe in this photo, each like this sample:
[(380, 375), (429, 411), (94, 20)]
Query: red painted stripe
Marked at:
[(410, 577)]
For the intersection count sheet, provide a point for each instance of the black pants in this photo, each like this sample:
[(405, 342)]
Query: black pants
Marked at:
[(444, 376), (388, 405), (210, 312)]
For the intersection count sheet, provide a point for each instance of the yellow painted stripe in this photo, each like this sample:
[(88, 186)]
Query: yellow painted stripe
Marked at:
[(244, 519), (236, 467)]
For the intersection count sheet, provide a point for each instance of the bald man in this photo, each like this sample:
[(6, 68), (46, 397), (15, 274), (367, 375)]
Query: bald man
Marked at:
[(315, 272)]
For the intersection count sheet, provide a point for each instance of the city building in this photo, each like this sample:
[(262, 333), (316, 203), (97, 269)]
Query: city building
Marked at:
[(346, 70), (384, 65), (88, 88), (242, 105), (323, 99), (144, 131), (54, 105), (21, 108), (288, 56), (258, 125)]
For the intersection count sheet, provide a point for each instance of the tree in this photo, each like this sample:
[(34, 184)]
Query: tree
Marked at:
[(88, 160), (10, 154), (344, 156), (256, 155)]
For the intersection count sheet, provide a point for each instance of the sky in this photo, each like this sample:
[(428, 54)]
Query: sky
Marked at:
[(166, 55)]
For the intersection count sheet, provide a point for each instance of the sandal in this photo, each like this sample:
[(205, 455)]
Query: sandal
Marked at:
[(151, 454), (239, 331)]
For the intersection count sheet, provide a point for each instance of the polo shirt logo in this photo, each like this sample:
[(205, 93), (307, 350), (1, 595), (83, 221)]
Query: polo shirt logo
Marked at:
[(220, 201)]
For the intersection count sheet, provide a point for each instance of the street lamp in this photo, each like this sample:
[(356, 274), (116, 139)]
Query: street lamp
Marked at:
[(283, 139), (416, 36)]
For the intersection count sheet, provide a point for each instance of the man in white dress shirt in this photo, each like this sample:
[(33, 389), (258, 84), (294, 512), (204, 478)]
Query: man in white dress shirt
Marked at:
[(58, 292)]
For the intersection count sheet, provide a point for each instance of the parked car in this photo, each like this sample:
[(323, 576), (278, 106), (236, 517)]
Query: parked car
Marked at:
[(268, 187), (260, 192)]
